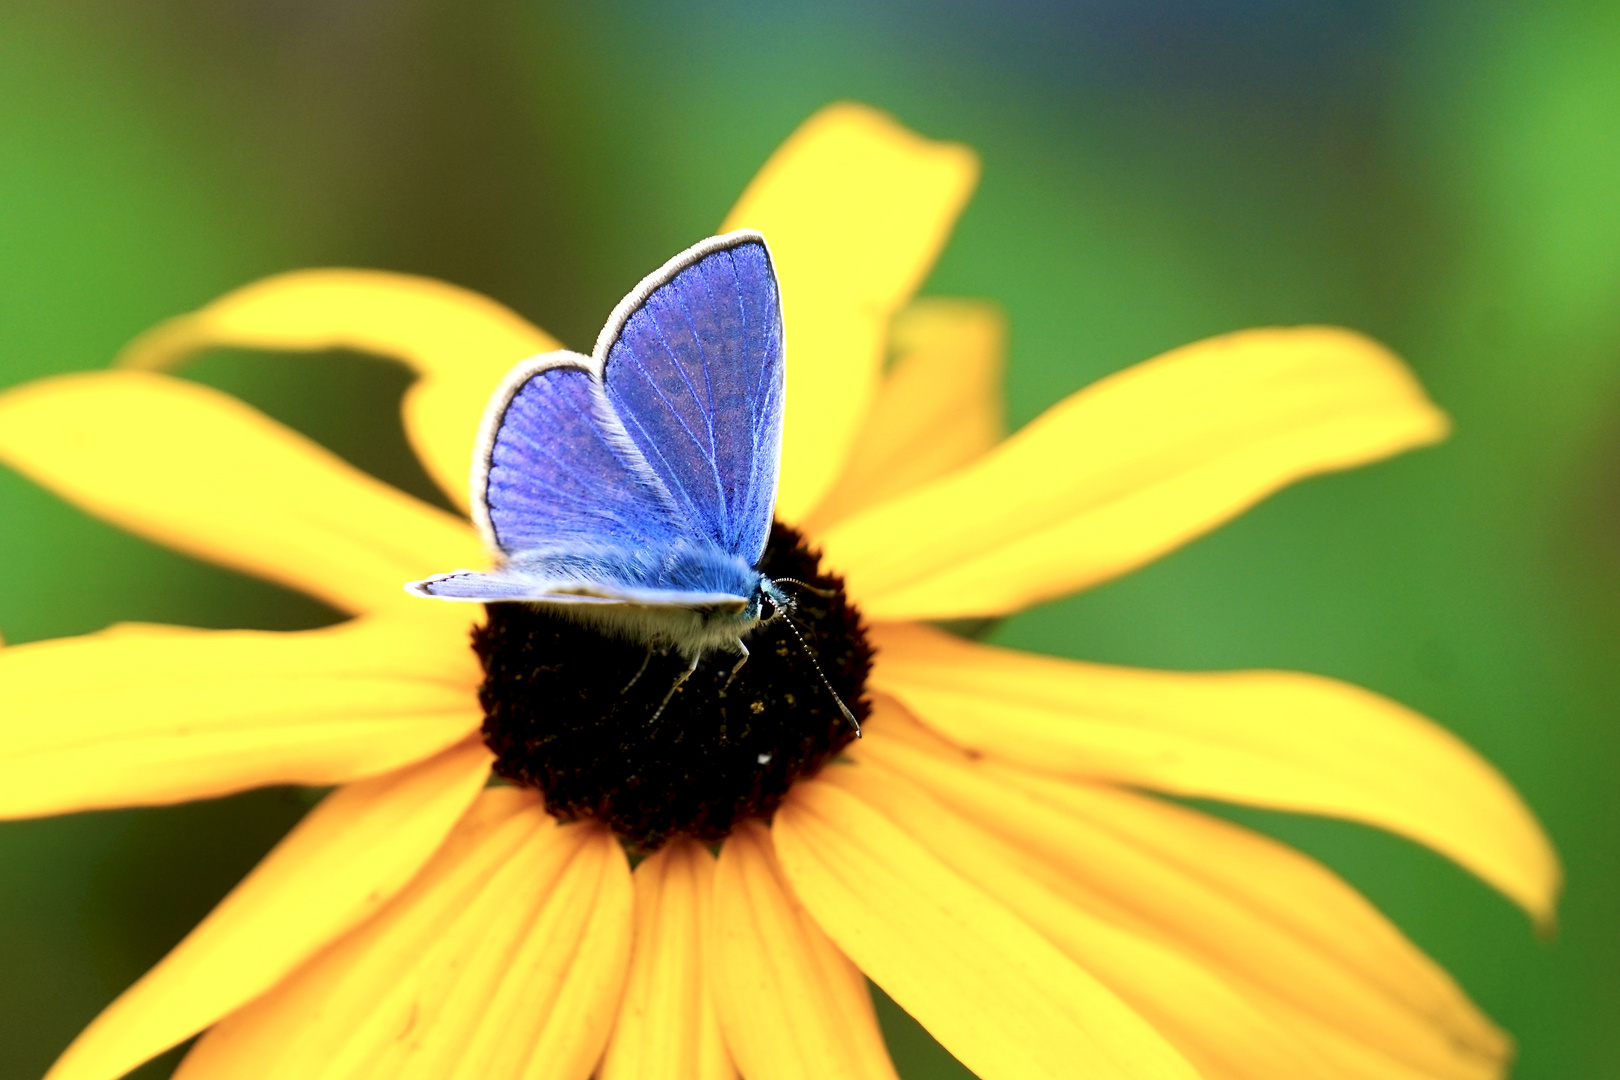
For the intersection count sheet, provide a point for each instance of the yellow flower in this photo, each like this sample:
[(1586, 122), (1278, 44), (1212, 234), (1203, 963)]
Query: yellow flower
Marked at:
[(985, 853)]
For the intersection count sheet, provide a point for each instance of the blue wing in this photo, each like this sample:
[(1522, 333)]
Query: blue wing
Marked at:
[(662, 575), (557, 469), (645, 475), (503, 585), (692, 363), (581, 518)]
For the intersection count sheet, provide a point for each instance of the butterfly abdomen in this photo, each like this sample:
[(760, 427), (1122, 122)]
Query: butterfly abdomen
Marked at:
[(694, 597), (691, 631)]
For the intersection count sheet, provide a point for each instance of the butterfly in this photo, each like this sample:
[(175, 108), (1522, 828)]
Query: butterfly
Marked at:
[(632, 490)]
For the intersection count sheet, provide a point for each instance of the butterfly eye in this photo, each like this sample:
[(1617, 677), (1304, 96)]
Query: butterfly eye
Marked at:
[(780, 603)]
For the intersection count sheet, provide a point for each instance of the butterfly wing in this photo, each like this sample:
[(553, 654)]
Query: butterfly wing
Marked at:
[(692, 364), (556, 471), (645, 475), (526, 583), (557, 468)]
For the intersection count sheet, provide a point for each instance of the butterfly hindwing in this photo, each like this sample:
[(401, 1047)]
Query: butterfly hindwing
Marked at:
[(563, 494), (557, 472), (692, 364)]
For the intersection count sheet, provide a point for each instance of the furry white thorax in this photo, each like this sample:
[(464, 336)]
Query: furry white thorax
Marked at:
[(693, 632)]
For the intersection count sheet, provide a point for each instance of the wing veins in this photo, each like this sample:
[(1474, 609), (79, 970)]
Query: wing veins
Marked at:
[(563, 496), (679, 419), (763, 417), (568, 467), (674, 476), (708, 414)]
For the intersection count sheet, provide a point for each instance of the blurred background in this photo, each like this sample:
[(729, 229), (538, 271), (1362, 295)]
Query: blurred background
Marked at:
[(1441, 175)]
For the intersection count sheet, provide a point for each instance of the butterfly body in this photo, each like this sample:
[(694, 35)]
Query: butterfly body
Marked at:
[(632, 490), (695, 598)]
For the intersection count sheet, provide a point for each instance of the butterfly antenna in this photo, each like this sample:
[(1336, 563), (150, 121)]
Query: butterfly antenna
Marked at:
[(810, 654), (806, 586)]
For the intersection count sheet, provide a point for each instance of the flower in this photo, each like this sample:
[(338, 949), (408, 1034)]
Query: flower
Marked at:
[(990, 853)]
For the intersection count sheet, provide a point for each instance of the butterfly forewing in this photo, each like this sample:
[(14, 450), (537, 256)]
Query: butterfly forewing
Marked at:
[(694, 371)]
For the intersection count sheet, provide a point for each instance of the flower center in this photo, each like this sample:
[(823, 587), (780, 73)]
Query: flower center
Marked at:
[(571, 713)]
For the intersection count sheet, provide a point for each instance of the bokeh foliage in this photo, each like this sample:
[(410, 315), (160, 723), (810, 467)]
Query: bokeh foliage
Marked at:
[(1442, 175)]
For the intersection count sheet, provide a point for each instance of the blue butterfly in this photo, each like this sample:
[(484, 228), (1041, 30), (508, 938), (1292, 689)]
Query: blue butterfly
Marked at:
[(632, 489)]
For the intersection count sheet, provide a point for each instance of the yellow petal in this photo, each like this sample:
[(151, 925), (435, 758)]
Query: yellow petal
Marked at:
[(791, 1005), (939, 406), (503, 959), (353, 852), (458, 342), (992, 990), (199, 471), (855, 209), (667, 1029), (1293, 938), (1217, 1028), (1266, 738), (1131, 467), (144, 716)]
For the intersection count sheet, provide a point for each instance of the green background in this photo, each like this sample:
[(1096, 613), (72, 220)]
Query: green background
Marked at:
[(1441, 175)]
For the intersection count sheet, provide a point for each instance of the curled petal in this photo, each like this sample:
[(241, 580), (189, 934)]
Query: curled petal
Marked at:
[(458, 342), (999, 996), (1130, 468), (351, 854), (504, 959), (141, 716), (855, 209), (667, 1029), (1266, 738), (199, 471), (939, 406), (1281, 930), (791, 1005)]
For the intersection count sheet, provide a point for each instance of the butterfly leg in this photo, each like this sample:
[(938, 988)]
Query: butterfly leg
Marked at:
[(640, 671), (676, 685), (739, 665)]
